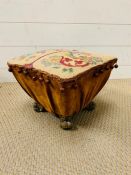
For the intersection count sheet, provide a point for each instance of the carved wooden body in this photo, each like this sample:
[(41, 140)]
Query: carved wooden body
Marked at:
[(63, 96)]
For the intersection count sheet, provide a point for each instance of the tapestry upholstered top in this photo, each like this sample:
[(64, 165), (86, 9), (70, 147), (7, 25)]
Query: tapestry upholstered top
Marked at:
[(62, 63)]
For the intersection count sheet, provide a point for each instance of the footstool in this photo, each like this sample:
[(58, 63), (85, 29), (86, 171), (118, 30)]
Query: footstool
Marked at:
[(62, 82)]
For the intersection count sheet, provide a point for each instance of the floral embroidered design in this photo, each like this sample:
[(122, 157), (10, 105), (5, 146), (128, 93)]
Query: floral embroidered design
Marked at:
[(77, 59), (77, 62), (70, 59), (64, 60), (53, 63), (95, 60)]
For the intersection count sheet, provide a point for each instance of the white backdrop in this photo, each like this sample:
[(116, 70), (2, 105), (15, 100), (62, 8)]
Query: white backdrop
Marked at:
[(102, 26)]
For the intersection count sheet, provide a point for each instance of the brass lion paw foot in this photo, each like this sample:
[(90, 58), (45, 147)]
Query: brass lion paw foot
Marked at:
[(38, 107), (91, 106)]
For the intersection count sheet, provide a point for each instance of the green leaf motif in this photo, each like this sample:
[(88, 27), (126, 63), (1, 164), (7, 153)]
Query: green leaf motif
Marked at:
[(70, 70), (64, 70)]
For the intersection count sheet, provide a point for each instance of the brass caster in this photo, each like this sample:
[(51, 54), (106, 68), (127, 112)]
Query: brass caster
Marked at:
[(91, 106), (66, 125), (39, 108)]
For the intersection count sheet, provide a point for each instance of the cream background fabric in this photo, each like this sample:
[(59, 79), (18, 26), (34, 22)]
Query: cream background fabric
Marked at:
[(33, 143)]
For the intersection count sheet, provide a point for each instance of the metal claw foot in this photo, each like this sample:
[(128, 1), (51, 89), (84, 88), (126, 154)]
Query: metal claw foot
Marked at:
[(65, 124), (91, 106), (39, 108)]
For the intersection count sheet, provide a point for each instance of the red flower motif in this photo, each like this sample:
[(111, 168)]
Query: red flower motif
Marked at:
[(73, 62), (67, 59), (78, 62)]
